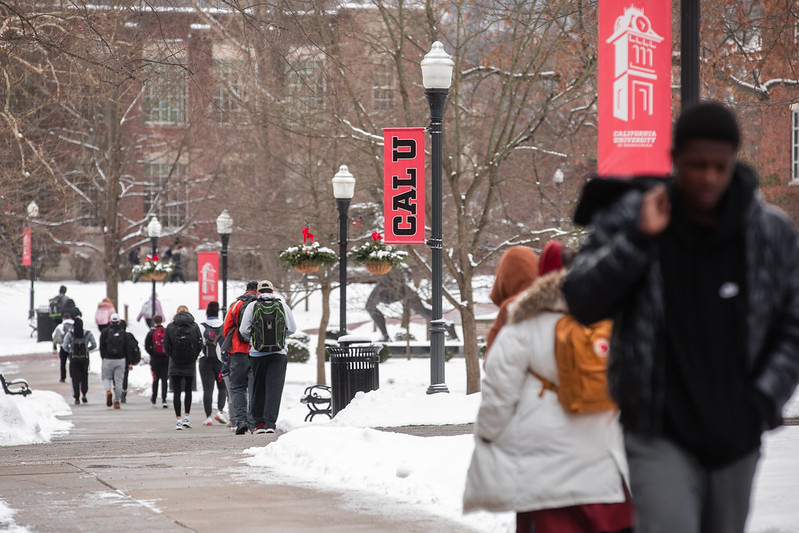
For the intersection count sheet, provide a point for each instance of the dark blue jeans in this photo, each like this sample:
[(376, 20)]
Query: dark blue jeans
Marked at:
[(241, 383), (269, 375)]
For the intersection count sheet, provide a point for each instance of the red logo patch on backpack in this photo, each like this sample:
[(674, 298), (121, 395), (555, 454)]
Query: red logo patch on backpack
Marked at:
[(158, 339)]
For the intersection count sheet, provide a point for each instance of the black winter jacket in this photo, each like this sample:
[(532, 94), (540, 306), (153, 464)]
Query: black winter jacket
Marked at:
[(617, 274), (176, 369)]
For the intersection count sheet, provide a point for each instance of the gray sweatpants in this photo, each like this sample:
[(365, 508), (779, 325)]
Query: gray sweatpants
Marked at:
[(672, 492), (113, 372)]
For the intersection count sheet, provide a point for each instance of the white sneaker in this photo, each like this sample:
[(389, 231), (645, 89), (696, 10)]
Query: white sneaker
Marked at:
[(179, 425), (220, 417), (186, 422), (208, 422)]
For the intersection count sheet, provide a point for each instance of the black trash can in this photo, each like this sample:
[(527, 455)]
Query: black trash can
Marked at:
[(353, 368), (45, 325)]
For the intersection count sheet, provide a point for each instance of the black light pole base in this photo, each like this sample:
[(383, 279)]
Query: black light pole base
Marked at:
[(225, 239), (436, 98), (343, 205), (154, 242)]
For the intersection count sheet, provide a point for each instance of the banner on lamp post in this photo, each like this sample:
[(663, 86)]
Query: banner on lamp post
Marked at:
[(634, 87), (26, 247), (208, 277), (403, 185)]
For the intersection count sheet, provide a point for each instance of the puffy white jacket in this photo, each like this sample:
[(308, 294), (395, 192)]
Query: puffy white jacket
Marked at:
[(529, 453)]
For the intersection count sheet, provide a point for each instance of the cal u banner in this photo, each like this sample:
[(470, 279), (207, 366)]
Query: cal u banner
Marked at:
[(208, 277), (403, 185), (634, 87), (26, 247)]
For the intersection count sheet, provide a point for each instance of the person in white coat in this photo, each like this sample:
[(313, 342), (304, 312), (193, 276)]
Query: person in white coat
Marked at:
[(565, 473)]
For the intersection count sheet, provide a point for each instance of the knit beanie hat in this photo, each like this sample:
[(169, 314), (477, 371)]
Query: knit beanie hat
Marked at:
[(551, 258)]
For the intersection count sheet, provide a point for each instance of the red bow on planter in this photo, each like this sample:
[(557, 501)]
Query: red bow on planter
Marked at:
[(376, 236), (306, 235)]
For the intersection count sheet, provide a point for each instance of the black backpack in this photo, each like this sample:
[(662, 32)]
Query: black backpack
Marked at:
[(115, 343), (79, 350), (268, 326), (185, 349), (132, 350), (211, 336)]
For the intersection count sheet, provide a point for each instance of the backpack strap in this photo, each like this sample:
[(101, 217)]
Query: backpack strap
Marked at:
[(545, 383)]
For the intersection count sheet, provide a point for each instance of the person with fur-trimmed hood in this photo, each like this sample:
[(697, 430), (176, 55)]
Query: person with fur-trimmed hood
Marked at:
[(560, 471)]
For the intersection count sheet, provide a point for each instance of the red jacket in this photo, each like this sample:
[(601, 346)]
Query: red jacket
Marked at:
[(231, 321)]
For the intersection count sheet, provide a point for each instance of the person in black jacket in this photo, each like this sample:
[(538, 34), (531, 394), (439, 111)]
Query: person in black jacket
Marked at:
[(112, 351), (182, 343), (701, 279), (159, 361)]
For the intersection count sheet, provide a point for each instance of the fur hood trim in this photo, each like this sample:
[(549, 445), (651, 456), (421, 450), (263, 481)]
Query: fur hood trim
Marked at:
[(543, 295)]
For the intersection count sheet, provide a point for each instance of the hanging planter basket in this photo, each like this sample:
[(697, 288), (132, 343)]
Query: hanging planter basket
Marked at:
[(306, 268), (378, 267), (154, 276)]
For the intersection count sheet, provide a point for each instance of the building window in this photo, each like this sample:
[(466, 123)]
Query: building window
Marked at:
[(383, 89), (229, 92), (164, 98), (167, 193), (305, 86)]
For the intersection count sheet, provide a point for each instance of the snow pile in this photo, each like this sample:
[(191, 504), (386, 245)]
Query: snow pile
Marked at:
[(32, 419)]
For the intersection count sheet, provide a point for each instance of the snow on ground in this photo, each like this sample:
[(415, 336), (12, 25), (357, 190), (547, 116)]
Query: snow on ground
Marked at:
[(397, 474)]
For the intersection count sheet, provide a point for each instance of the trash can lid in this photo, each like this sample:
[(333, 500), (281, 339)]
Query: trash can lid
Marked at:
[(352, 339)]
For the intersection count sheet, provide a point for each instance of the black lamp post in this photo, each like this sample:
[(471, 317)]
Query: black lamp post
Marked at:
[(437, 77), (557, 179), (33, 212), (153, 231), (224, 226), (689, 52), (343, 190)]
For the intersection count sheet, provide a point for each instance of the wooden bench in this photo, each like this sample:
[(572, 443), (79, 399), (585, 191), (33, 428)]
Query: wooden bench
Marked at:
[(318, 399), (16, 386)]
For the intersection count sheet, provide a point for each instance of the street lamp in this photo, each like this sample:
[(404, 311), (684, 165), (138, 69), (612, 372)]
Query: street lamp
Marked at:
[(437, 77), (343, 190), (153, 231), (689, 52), (33, 212), (224, 227), (557, 179)]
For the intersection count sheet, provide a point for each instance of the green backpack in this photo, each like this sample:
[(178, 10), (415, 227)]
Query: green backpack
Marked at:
[(268, 326)]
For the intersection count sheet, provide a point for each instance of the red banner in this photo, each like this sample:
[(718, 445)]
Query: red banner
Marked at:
[(26, 247), (208, 277), (403, 185), (634, 87)]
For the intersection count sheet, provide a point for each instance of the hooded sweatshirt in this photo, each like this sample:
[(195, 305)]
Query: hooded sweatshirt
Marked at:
[(516, 271)]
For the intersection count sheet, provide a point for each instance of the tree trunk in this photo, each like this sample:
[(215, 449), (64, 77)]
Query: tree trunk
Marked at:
[(326, 288), (470, 348)]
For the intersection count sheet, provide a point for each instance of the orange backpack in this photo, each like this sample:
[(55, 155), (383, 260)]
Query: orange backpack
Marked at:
[(581, 354)]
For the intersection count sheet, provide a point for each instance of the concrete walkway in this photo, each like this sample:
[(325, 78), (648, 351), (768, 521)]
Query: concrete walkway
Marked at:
[(129, 470)]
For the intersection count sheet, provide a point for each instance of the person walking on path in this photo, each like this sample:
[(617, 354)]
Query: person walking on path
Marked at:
[(210, 365), (147, 311), (159, 361), (240, 370), (182, 343), (58, 340), (132, 357), (561, 472), (112, 351), (103, 314), (701, 278), (79, 342), (266, 322), (516, 271)]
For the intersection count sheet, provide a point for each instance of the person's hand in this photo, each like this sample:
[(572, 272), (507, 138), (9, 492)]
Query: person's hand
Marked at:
[(655, 211), (130, 367)]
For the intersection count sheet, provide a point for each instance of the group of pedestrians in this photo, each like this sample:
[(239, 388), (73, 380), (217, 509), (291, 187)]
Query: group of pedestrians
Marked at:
[(701, 280), (242, 358)]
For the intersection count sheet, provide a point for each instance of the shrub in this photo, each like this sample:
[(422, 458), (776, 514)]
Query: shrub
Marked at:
[(297, 348)]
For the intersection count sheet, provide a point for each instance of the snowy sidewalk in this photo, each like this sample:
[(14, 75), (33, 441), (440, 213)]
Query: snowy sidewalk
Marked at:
[(130, 468)]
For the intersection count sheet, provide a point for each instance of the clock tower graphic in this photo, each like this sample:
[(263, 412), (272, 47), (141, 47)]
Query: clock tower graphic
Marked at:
[(634, 43)]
